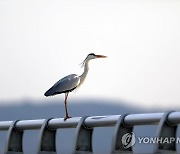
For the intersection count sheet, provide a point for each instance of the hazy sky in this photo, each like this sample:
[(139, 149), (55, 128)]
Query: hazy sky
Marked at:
[(42, 41)]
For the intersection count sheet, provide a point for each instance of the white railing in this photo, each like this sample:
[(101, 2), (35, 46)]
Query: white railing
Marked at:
[(123, 125)]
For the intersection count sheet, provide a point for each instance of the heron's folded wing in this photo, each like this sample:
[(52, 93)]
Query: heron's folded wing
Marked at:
[(65, 84)]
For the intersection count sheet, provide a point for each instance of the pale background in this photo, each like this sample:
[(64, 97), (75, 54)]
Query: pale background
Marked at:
[(42, 41)]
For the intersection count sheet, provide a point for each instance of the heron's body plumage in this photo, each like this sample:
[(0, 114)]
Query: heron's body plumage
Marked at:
[(66, 84)]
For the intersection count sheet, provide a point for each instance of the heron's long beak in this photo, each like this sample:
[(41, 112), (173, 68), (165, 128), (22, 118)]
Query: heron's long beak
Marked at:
[(101, 56)]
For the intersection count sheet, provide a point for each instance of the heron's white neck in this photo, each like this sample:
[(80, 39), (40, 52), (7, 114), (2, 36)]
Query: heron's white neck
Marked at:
[(84, 74)]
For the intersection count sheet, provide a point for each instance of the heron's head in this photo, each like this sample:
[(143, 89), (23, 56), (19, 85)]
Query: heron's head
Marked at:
[(92, 56)]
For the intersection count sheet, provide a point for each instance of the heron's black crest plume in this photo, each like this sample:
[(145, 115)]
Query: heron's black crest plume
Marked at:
[(91, 54)]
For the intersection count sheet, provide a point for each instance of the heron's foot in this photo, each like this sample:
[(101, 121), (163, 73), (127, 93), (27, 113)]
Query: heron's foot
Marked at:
[(67, 117)]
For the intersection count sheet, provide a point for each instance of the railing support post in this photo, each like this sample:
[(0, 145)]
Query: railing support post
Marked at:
[(122, 131), (14, 140), (47, 140), (83, 138), (166, 133)]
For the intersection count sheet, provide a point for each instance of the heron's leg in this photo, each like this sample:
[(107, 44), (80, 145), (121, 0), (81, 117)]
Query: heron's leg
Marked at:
[(65, 102)]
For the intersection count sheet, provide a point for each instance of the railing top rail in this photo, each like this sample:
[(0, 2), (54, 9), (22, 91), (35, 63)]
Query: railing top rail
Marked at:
[(93, 121)]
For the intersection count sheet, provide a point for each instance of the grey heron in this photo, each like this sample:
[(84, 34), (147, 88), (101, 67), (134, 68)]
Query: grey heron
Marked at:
[(71, 82)]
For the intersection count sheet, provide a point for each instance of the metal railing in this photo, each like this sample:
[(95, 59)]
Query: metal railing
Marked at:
[(123, 124)]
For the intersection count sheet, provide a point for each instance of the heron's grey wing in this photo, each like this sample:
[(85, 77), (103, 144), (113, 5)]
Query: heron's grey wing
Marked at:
[(65, 84)]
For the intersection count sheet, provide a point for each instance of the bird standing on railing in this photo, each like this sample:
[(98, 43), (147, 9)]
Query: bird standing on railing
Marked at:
[(71, 82)]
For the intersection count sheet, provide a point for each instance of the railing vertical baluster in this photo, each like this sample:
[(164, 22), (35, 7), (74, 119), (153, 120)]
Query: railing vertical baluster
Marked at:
[(168, 131), (14, 140), (83, 138), (120, 130), (47, 140)]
